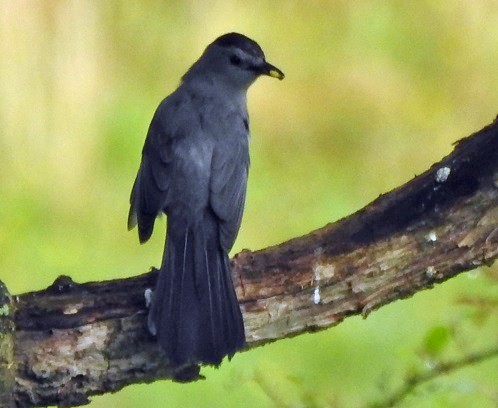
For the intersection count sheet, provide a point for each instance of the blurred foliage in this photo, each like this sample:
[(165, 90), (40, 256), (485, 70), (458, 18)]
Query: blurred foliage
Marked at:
[(436, 341), (375, 92)]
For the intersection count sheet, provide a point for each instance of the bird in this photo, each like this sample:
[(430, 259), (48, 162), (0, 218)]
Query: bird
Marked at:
[(194, 169)]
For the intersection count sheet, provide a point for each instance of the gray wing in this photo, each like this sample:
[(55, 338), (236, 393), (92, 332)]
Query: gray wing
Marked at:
[(149, 195), (229, 170)]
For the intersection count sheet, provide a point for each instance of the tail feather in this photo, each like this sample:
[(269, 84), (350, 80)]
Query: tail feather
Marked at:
[(195, 313), (235, 330), (211, 301)]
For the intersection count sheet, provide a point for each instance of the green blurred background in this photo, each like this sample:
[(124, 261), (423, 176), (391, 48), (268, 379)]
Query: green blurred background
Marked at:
[(375, 92)]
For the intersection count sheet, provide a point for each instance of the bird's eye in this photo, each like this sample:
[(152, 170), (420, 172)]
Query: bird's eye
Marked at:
[(235, 60)]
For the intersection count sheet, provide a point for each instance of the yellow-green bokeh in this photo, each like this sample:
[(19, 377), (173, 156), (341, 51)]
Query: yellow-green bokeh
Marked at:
[(375, 92)]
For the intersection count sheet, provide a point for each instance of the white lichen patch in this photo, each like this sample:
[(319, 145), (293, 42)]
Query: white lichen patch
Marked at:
[(316, 295), (323, 271), (148, 297), (442, 174), (70, 310), (92, 336), (430, 271), (431, 236)]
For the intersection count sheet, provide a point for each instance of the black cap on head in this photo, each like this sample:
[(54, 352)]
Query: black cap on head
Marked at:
[(240, 41)]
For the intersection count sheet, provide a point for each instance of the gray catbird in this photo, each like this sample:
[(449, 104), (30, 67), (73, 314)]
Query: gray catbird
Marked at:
[(194, 168)]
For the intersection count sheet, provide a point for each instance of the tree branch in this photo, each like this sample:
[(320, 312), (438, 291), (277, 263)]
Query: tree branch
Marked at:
[(73, 341), (440, 369)]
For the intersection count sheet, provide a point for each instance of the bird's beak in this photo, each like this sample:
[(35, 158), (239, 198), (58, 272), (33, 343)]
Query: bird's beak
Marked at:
[(271, 70)]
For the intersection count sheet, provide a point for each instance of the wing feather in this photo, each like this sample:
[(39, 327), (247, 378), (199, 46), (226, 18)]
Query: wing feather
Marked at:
[(149, 195), (228, 188)]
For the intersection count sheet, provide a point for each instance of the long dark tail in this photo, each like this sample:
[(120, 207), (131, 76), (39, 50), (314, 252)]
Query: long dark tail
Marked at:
[(195, 313)]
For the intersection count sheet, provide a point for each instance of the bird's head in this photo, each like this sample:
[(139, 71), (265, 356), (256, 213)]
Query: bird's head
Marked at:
[(234, 59)]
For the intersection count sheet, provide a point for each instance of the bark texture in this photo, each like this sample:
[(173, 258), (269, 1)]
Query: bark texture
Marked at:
[(77, 340), (7, 367)]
